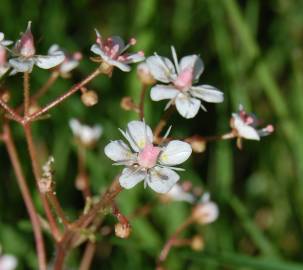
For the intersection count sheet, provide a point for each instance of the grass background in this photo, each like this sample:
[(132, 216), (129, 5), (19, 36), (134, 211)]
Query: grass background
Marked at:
[(252, 52)]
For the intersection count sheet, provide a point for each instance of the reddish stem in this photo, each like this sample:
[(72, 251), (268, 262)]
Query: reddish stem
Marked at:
[(60, 99), (88, 256), (171, 241), (11, 149), (10, 111), (141, 104), (36, 169)]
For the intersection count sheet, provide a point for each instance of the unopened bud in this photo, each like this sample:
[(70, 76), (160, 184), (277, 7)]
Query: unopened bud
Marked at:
[(144, 74), (33, 108), (205, 213), (197, 243), (122, 230), (5, 95), (197, 144), (128, 104), (89, 98)]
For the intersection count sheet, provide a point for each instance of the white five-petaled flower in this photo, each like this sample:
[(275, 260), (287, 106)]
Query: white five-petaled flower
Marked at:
[(71, 61), (145, 161), (85, 134), (180, 78), (4, 66), (8, 262), (25, 55), (245, 126), (112, 52)]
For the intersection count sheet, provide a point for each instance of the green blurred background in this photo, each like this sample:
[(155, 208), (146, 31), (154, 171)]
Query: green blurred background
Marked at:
[(252, 52)]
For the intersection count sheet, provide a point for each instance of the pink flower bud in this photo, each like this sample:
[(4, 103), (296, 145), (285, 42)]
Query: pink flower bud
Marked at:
[(2, 55), (26, 46), (89, 98)]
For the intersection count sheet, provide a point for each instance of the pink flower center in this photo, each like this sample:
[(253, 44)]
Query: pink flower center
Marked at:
[(147, 158), (2, 56), (185, 79)]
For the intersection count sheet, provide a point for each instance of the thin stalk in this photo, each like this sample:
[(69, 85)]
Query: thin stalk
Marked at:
[(141, 104), (88, 256), (44, 88), (26, 92), (57, 206), (171, 241), (11, 149), (163, 122), (60, 99), (13, 115), (36, 169)]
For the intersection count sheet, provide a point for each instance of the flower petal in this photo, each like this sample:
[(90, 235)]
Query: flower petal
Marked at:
[(130, 177), (118, 151), (118, 64), (95, 48), (188, 107), (161, 68), (162, 180), (176, 152), (245, 131), (208, 93), (49, 61), (1, 36), (21, 65), (133, 58), (160, 92), (138, 134), (118, 41), (192, 61)]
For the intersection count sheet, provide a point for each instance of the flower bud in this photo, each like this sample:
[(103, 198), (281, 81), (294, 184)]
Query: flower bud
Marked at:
[(5, 95), (197, 144), (205, 213), (122, 230), (144, 74), (26, 45), (197, 243), (128, 104), (89, 98), (33, 108)]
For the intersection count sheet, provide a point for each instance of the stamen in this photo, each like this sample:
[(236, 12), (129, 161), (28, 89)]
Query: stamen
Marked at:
[(174, 54)]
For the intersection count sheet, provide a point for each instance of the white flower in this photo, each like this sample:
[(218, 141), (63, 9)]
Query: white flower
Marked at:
[(4, 66), (205, 211), (85, 134), (8, 262), (71, 61), (177, 193), (112, 51), (145, 161), (26, 58), (244, 125), (180, 78)]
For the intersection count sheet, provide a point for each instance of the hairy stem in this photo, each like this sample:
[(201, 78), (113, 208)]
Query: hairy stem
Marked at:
[(36, 170), (60, 99), (11, 149), (26, 93)]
